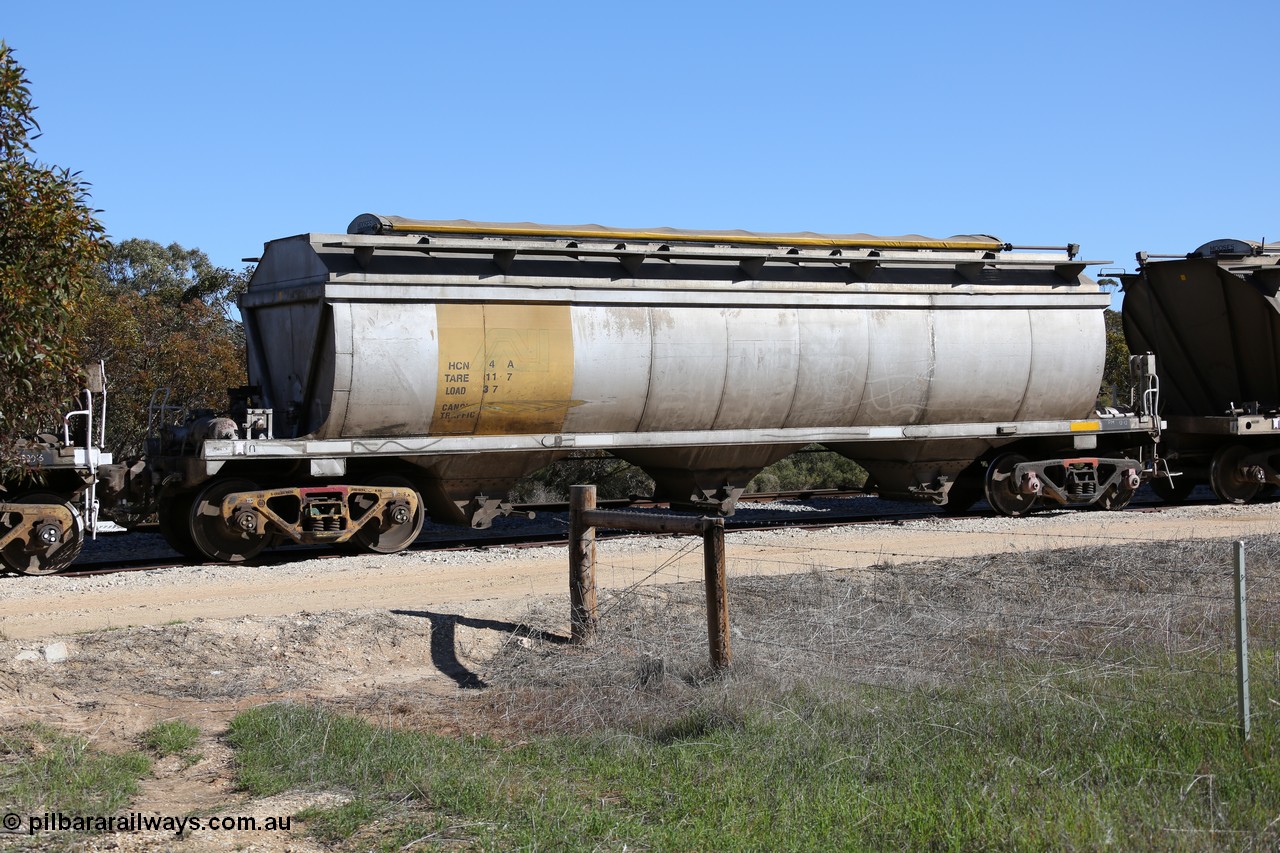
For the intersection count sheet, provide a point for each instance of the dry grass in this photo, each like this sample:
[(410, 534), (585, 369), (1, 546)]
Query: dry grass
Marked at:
[(1064, 700), (1102, 617)]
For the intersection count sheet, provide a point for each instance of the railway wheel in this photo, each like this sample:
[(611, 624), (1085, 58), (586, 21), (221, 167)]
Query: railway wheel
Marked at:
[(966, 491), (214, 537), (1116, 498), (50, 552), (384, 535), (172, 516), (1227, 479), (1002, 487), (1174, 490)]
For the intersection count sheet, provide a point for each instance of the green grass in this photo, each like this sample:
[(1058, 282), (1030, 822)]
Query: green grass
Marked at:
[(172, 737), (335, 824), (955, 769), (44, 771)]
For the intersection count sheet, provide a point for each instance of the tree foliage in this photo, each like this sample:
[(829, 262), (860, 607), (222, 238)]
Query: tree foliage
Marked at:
[(1115, 373), (51, 245), (615, 479), (160, 319), (160, 316), (170, 274), (812, 468)]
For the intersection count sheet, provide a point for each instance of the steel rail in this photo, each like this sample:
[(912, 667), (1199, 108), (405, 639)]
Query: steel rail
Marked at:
[(483, 542)]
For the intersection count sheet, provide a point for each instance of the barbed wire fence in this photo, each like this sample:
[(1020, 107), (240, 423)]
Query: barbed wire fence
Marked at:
[(1105, 620)]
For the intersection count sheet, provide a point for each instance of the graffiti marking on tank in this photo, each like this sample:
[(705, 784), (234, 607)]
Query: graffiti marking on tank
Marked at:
[(524, 374), (528, 351)]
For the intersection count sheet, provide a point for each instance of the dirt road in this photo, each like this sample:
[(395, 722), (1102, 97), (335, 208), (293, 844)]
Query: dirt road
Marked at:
[(498, 583), (402, 640)]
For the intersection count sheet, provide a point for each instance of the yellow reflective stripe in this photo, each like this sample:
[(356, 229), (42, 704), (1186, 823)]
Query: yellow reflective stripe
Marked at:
[(1086, 426)]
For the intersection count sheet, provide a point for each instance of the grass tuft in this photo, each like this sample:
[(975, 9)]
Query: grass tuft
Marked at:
[(42, 770), (172, 737), (948, 768), (341, 822)]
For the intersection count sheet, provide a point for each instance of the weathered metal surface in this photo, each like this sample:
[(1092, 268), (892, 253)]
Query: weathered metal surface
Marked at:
[(319, 514), (36, 525), (729, 350), (44, 516), (1213, 321), (409, 359), (458, 446), (39, 533)]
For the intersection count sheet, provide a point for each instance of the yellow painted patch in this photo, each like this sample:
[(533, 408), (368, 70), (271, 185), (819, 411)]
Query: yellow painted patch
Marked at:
[(503, 369), (1086, 426), (460, 384)]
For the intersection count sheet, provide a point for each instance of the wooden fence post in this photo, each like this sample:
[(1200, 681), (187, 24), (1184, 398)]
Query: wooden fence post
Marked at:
[(582, 566), (717, 592), (584, 518)]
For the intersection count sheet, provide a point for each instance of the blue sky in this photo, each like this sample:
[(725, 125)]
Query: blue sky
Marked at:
[(1122, 126)]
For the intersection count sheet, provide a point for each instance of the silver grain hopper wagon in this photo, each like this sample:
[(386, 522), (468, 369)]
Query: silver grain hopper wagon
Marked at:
[(441, 361)]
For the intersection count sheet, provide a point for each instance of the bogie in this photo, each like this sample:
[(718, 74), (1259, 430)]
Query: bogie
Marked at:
[(41, 533)]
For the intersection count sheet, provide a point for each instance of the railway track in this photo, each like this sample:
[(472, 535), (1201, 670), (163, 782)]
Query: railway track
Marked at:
[(515, 538)]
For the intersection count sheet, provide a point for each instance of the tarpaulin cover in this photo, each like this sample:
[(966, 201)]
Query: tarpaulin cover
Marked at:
[(370, 223)]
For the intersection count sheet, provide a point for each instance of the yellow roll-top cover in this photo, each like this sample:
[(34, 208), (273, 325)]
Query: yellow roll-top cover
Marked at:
[(370, 223)]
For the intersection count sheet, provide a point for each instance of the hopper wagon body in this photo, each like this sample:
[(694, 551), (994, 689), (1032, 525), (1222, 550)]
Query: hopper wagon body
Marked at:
[(411, 368), (1212, 319)]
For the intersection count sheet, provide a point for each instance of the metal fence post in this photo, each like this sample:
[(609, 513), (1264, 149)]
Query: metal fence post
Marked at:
[(717, 592), (582, 566), (1242, 642)]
